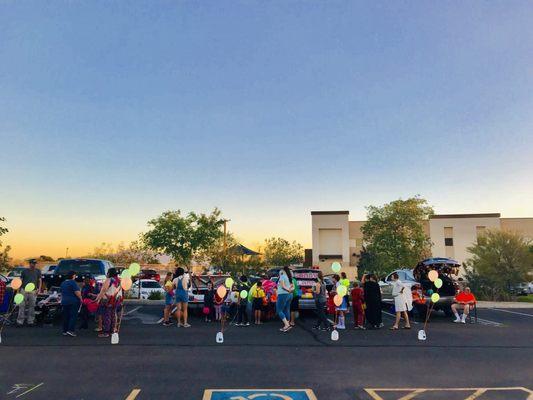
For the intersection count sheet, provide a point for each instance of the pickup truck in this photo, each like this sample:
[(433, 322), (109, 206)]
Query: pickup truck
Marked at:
[(83, 267)]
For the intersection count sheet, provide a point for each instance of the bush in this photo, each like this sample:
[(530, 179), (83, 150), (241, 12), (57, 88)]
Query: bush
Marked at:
[(155, 296)]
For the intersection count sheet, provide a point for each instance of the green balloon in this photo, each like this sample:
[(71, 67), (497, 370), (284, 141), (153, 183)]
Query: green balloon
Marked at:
[(336, 266), (435, 297), (134, 268), (244, 294), (18, 298), (229, 282), (438, 283), (126, 274), (30, 287), (341, 290)]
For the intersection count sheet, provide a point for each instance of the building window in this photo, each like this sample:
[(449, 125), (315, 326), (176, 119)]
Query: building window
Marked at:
[(448, 242)]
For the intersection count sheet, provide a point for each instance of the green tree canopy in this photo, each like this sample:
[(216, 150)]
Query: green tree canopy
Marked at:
[(500, 260), (183, 237), (279, 252), (394, 235)]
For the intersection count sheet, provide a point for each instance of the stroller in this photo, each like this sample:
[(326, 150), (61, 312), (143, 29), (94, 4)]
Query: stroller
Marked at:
[(48, 306)]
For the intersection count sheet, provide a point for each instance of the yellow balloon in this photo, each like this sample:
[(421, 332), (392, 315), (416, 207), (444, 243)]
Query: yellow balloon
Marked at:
[(221, 291), (16, 283), (18, 298), (432, 275), (337, 300), (438, 283), (229, 282), (30, 287), (435, 297), (126, 283), (134, 268), (336, 266), (341, 290)]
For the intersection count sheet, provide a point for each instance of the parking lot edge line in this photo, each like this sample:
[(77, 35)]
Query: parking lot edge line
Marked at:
[(476, 394), (28, 391), (133, 394), (412, 395), (513, 312), (373, 394)]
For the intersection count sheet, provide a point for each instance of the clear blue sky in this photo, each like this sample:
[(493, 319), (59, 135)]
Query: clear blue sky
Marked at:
[(111, 112)]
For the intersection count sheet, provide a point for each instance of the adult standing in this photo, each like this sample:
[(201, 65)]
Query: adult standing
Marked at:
[(242, 311), (110, 298), (401, 296), (283, 303), (372, 296), (181, 286), (29, 275), (70, 302), (321, 298)]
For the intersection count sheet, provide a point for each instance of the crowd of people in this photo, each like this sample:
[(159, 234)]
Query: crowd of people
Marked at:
[(263, 300)]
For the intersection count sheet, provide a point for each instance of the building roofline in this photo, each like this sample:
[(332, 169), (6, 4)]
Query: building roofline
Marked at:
[(329, 212), (452, 216)]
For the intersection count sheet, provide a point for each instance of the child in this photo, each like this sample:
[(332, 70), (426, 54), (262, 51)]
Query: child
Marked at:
[(233, 302), (169, 298), (219, 302), (340, 310), (209, 301), (357, 295), (258, 295)]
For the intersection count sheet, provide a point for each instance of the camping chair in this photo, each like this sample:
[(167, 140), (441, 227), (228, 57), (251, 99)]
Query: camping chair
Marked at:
[(5, 306), (472, 309)]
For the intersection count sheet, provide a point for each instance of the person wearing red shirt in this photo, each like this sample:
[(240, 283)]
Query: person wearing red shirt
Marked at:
[(358, 300), (463, 300)]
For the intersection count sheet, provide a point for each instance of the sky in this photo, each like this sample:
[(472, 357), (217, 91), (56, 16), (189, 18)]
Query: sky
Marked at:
[(113, 112)]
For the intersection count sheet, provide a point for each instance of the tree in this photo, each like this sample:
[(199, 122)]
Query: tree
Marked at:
[(5, 260), (280, 252), (183, 237), (500, 260), (394, 235), (122, 255), (45, 258)]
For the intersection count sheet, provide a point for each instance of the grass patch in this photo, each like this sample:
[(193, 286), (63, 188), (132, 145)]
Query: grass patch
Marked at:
[(525, 299)]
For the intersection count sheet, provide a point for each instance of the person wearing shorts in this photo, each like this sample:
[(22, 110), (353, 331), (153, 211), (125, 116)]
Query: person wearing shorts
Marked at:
[(259, 296), (181, 286), (168, 286)]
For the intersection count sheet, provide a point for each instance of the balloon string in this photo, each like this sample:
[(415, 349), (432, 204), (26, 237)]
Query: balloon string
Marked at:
[(428, 314), (11, 313)]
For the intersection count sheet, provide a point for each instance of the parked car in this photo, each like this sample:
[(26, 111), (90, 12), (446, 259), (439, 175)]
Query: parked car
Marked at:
[(15, 273), (48, 269), (306, 279), (522, 289), (149, 274), (446, 267), (83, 267), (148, 286)]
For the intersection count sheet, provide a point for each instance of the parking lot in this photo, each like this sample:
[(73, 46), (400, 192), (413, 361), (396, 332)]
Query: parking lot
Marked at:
[(491, 359)]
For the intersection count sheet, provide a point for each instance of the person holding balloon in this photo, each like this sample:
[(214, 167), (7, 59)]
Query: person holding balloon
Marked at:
[(31, 279), (70, 303), (110, 297), (341, 305), (242, 311)]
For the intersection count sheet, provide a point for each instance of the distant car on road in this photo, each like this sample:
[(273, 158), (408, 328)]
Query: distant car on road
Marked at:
[(83, 267), (148, 286), (48, 269)]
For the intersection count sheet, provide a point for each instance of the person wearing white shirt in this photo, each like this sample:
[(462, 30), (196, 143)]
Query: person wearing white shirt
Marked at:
[(403, 302)]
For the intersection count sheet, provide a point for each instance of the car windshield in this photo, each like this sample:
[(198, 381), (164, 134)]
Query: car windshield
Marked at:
[(151, 285), (80, 266)]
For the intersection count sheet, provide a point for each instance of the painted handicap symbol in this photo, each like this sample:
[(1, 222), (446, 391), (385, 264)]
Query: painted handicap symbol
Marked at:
[(259, 394)]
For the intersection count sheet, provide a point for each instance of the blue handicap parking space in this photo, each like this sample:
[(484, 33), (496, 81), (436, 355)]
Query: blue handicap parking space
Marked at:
[(259, 394)]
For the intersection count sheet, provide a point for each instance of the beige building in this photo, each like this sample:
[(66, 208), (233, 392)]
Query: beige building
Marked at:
[(336, 238)]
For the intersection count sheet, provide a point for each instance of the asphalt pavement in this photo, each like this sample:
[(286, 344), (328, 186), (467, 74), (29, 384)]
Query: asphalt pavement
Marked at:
[(490, 359)]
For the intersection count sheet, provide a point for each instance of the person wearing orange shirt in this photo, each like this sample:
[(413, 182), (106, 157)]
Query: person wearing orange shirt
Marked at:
[(463, 300)]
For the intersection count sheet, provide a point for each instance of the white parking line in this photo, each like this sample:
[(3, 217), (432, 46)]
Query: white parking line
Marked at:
[(513, 312), (132, 311), (488, 322)]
